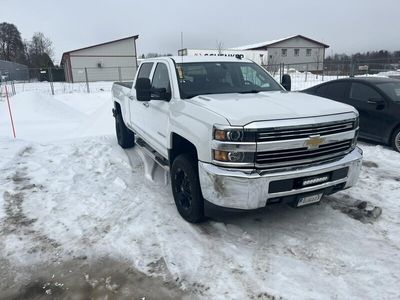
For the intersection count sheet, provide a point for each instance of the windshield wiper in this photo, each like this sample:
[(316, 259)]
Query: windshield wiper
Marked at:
[(250, 92)]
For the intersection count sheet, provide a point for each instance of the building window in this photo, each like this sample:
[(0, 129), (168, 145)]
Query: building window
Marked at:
[(284, 52), (308, 52), (296, 52)]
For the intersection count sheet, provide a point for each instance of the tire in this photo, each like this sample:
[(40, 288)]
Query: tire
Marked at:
[(125, 137), (396, 139), (186, 188)]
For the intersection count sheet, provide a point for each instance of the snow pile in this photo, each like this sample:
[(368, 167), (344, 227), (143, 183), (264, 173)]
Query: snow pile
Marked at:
[(41, 117)]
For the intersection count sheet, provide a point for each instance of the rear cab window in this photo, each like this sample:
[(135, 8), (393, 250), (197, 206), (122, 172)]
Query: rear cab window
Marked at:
[(145, 70)]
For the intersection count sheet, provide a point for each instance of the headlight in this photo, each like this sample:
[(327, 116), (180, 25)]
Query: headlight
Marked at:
[(231, 135), (233, 156), (233, 146)]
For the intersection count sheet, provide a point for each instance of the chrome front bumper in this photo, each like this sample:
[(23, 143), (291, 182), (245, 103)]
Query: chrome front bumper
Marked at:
[(237, 189)]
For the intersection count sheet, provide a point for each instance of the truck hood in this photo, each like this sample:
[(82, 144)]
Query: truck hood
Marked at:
[(241, 109)]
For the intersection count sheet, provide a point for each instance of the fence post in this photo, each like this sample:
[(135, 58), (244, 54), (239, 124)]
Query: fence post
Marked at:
[(337, 74), (306, 72), (51, 81), (119, 74), (13, 88), (87, 80)]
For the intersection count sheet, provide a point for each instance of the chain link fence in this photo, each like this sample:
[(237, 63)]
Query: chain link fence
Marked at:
[(302, 78), (92, 80), (62, 81)]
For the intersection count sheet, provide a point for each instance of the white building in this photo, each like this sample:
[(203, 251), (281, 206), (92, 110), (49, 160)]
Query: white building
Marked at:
[(115, 61), (258, 56), (307, 53)]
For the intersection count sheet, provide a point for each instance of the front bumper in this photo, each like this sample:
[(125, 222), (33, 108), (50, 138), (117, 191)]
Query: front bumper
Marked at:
[(237, 189)]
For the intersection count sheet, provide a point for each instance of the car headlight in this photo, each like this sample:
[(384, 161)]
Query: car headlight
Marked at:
[(233, 156), (233, 146), (232, 135)]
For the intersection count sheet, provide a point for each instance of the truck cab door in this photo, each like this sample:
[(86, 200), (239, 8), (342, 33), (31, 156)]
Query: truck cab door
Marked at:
[(157, 113), (137, 109)]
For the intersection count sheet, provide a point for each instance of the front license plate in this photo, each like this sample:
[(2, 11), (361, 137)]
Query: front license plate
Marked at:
[(304, 200)]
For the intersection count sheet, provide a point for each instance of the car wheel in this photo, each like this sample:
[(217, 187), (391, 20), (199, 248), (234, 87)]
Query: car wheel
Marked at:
[(186, 188), (125, 137), (396, 140)]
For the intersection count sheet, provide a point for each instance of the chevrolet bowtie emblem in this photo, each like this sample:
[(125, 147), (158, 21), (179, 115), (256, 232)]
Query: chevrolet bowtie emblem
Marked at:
[(314, 142)]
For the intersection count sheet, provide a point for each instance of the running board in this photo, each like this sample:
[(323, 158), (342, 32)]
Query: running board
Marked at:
[(146, 148)]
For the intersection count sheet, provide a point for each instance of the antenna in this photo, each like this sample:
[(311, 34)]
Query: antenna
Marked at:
[(182, 45)]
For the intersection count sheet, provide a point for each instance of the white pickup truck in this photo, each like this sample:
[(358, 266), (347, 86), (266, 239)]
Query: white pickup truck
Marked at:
[(232, 137)]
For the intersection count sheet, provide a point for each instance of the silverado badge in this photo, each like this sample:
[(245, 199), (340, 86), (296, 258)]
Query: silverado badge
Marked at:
[(314, 142)]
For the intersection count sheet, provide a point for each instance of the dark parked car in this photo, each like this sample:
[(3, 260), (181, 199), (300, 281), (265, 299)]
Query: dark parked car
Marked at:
[(377, 100)]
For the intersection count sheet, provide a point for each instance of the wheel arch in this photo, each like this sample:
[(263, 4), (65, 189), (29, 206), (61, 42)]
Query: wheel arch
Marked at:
[(180, 145)]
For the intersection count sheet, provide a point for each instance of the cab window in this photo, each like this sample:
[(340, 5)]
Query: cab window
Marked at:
[(145, 70), (161, 78)]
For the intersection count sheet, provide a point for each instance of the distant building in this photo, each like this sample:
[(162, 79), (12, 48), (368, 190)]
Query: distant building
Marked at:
[(111, 61), (259, 57), (293, 50), (13, 71)]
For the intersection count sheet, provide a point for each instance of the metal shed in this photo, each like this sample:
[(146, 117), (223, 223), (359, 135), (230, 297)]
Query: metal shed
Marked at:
[(109, 61)]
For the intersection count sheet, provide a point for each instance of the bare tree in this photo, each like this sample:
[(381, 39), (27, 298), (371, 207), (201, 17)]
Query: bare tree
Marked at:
[(40, 51), (11, 45), (41, 44)]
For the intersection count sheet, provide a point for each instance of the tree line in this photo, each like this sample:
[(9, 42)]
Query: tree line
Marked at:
[(35, 53), (381, 56)]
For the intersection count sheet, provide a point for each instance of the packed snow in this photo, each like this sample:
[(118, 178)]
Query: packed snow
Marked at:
[(78, 214)]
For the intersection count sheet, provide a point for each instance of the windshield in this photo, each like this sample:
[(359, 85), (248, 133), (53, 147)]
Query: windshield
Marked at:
[(392, 89), (223, 77)]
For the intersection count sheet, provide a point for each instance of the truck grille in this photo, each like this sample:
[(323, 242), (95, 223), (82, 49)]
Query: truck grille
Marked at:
[(288, 133), (302, 156)]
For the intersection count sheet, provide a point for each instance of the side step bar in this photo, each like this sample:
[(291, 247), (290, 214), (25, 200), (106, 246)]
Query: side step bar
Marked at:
[(161, 161)]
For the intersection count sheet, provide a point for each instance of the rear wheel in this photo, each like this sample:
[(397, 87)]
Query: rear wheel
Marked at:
[(186, 188), (396, 140), (125, 137)]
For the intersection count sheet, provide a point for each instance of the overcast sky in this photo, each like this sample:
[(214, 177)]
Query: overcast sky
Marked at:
[(346, 25)]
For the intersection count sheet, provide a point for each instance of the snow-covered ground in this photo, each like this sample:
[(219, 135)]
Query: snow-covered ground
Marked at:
[(79, 219)]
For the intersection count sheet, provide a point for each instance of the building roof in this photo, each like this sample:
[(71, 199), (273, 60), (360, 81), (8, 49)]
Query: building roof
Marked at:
[(195, 59), (272, 42), (101, 44)]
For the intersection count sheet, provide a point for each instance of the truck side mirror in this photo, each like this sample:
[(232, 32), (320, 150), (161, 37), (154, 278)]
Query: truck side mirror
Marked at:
[(143, 89), (286, 82)]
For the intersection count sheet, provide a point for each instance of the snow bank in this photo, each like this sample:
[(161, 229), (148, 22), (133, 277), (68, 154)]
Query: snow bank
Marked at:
[(42, 117)]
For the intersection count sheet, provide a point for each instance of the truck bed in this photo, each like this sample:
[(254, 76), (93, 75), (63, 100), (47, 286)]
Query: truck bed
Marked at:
[(127, 84)]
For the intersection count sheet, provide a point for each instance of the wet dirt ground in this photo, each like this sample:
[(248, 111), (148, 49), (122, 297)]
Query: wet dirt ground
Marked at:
[(82, 279)]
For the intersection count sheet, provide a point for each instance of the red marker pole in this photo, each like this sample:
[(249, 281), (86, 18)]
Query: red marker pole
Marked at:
[(9, 111)]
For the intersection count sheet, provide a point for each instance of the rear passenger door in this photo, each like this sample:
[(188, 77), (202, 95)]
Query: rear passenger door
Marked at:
[(373, 110)]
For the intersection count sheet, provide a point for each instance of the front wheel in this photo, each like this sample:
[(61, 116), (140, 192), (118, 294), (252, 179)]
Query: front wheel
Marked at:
[(396, 140), (186, 188)]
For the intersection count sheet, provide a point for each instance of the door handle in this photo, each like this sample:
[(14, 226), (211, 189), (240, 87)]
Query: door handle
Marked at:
[(145, 104), (131, 97)]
